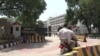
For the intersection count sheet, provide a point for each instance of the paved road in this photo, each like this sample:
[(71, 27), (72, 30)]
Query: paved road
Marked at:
[(48, 48)]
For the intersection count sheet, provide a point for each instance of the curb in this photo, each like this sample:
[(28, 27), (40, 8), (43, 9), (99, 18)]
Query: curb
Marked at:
[(9, 45)]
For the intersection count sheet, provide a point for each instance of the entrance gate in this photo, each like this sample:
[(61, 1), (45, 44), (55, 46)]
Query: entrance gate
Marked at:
[(31, 34)]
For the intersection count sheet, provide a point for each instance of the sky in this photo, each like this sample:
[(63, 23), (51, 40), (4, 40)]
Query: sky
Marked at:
[(54, 8)]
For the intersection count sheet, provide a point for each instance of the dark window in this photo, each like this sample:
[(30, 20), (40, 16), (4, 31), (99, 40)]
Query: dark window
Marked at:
[(17, 28)]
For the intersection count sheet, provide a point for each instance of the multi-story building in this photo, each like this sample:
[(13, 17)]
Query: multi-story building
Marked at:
[(54, 23), (45, 24)]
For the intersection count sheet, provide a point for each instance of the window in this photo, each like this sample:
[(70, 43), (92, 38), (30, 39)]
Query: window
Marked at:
[(17, 28)]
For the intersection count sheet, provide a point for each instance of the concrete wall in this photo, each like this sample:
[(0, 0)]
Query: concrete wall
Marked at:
[(16, 32)]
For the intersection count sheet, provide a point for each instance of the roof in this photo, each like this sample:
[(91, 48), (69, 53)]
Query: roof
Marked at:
[(16, 23)]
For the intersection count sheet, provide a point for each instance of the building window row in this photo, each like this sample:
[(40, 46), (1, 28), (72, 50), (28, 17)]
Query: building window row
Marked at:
[(57, 22)]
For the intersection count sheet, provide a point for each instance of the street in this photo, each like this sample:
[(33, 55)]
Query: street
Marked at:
[(48, 48)]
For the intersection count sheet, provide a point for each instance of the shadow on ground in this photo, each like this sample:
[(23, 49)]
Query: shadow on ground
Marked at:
[(27, 46)]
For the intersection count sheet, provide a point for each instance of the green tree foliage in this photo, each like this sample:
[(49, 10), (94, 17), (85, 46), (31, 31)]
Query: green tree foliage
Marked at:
[(27, 10), (70, 12), (40, 23), (84, 10)]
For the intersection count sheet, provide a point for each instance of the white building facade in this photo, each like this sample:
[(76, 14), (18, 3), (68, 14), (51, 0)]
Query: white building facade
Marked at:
[(54, 23)]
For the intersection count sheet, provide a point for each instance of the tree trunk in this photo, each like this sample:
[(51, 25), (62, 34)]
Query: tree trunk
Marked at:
[(88, 28)]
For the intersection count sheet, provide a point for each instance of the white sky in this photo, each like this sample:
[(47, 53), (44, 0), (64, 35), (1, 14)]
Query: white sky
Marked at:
[(54, 8)]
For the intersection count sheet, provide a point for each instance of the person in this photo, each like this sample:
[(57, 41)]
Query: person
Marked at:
[(67, 38)]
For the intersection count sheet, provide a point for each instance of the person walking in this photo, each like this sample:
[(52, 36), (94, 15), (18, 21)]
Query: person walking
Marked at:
[(67, 38)]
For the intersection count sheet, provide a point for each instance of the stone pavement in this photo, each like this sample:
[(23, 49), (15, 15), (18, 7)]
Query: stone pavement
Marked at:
[(48, 48)]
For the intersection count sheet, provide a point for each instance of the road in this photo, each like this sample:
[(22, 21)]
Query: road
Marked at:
[(48, 48)]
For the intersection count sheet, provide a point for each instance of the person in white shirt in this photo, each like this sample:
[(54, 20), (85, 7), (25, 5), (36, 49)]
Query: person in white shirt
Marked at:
[(68, 39)]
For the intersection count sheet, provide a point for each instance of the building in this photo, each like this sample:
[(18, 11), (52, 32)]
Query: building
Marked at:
[(81, 28), (4, 26), (8, 28), (45, 24), (54, 23)]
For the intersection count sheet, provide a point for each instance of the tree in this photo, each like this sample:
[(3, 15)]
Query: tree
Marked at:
[(70, 16), (84, 10), (90, 11), (27, 10), (40, 23)]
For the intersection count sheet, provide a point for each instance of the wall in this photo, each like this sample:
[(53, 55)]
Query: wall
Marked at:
[(15, 32)]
